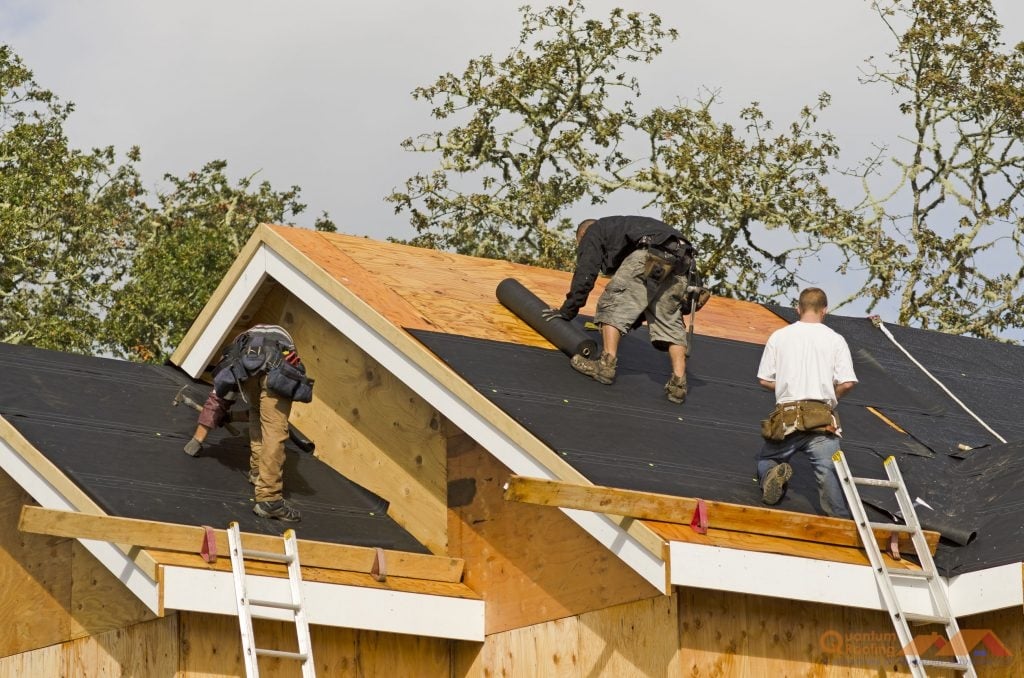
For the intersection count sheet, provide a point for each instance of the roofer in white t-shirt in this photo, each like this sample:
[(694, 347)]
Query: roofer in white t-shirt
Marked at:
[(809, 368)]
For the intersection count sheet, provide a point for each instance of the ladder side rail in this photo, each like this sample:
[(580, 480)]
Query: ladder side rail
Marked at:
[(291, 549), (878, 568), (937, 587), (249, 652)]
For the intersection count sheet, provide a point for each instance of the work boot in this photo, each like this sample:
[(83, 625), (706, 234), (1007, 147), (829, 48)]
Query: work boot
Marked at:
[(775, 483), (193, 448), (602, 369), (279, 509), (675, 389)]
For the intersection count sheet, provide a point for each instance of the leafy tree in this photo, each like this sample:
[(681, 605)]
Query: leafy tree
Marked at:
[(188, 241), (733, 191), (89, 262), (531, 125), (946, 238), (67, 219)]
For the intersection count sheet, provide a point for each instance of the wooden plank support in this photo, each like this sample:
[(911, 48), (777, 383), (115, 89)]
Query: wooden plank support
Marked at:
[(669, 509), (189, 539)]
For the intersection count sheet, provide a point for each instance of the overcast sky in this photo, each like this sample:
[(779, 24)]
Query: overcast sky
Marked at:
[(317, 92)]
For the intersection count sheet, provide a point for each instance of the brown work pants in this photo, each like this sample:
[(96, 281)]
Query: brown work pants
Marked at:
[(268, 431)]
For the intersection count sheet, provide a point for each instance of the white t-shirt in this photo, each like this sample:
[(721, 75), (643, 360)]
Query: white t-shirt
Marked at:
[(806, 360)]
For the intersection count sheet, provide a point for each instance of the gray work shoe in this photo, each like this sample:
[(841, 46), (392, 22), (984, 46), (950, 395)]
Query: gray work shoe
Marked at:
[(193, 448), (675, 389), (601, 370), (279, 509), (775, 483)]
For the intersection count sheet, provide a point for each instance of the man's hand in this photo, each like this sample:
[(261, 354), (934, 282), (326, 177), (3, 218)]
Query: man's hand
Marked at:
[(702, 298), (550, 314)]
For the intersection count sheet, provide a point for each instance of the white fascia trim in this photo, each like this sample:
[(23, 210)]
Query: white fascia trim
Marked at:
[(47, 496), (226, 316), (518, 460), (993, 588), (820, 581), (341, 605)]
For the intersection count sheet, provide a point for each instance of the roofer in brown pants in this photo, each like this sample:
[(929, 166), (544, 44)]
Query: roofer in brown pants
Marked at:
[(263, 365), (266, 444)]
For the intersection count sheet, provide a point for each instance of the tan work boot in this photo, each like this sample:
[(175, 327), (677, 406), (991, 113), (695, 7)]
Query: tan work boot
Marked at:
[(675, 389), (601, 370)]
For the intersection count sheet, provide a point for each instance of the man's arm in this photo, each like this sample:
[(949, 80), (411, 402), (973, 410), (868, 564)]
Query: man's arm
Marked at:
[(588, 265), (844, 388), (770, 385)]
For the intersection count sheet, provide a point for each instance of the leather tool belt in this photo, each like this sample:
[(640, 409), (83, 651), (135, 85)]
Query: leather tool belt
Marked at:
[(799, 415)]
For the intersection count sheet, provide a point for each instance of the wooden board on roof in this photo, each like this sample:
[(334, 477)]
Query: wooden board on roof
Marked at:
[(431, 290)]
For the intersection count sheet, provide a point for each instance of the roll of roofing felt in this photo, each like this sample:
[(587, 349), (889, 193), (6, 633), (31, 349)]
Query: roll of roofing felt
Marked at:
[(568, 337), (961, 535)]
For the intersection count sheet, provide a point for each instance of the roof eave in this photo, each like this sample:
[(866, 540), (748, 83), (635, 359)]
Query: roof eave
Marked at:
[(821, 581), (198, 590)]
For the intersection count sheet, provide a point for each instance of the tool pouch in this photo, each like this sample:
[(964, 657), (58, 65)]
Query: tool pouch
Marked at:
[(290, 381), (800, 415), (659, 264)]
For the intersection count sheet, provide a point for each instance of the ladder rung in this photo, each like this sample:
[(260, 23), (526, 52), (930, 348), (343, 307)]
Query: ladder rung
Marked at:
[(938, 663), (892, 527), (925, 618), (268, 555), (277, 604), (297, 656), (876, 482), (913, 574)]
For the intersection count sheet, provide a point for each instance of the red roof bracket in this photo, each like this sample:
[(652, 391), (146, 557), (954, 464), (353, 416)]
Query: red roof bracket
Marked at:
[(699, 523), (379, 569), (208, 550)]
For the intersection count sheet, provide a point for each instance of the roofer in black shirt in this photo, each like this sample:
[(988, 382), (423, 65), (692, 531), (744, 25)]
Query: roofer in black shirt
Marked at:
[(654, 279)]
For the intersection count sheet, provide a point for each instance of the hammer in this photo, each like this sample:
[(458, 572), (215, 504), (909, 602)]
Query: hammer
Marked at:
[(181, 398)]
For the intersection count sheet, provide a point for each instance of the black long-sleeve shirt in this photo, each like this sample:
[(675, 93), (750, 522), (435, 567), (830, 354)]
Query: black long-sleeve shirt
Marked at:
[(607, 242)]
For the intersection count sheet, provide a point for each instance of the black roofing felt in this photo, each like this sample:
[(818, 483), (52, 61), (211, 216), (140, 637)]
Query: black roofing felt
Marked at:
[(630, 436), (111, 427)]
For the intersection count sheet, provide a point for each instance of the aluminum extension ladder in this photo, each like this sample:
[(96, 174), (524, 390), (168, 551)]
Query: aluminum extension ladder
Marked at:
[(884, 575), (290, 558)]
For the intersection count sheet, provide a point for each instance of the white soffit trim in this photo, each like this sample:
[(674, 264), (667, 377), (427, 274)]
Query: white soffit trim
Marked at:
[(339, 605), (607, 532), (994, 588), (819, 581), (47, 496)]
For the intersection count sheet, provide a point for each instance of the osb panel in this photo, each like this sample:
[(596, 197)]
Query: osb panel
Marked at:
[(1006, 625), (46, 661), (427, 289), (52, 589), (637, 639), (35, 580), (730, 634), (211, 648), (146, 649), (99, 601), (530, 563), (355, 654), (370, 426)]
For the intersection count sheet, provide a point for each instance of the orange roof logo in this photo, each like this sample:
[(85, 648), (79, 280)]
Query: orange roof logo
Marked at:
[(981, 644)]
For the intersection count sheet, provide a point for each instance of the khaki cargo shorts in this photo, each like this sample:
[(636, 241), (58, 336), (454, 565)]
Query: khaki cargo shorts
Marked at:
[(628, 295)]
